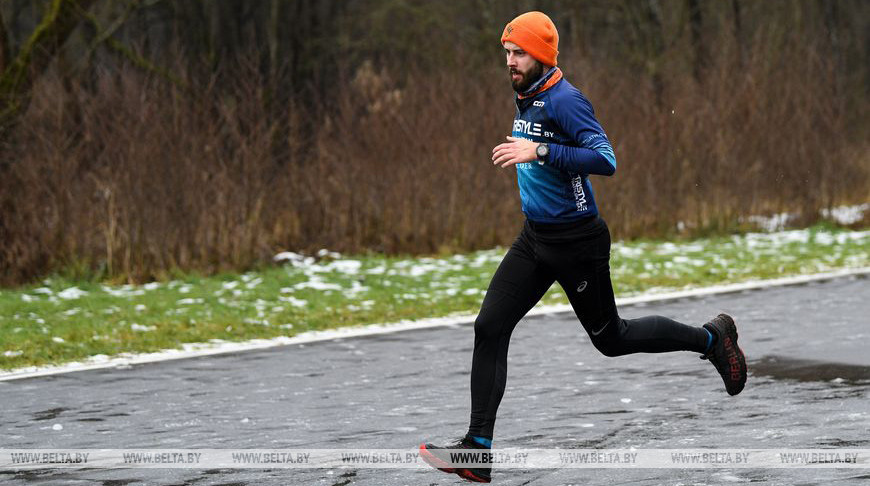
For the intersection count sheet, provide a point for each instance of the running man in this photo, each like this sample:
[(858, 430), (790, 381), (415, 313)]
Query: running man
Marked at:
[(556, 144)]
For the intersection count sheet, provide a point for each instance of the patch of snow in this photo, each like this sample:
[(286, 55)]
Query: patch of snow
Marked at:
[(775, 222), (317, 285), (323, 252), (351, 267), (123, 291), (189, 301), (294, 258), (72, 293), (846, 214), (294, 301)]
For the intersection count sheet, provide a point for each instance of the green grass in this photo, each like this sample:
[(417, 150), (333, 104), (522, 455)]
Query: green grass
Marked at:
[(50, 323)]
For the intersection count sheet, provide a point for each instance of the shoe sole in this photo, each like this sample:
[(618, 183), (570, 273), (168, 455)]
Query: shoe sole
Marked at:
[(467, 474), (434, 461), (731, 334)]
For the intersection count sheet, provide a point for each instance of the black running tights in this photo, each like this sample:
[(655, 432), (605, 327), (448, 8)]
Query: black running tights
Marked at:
[(577, 258)]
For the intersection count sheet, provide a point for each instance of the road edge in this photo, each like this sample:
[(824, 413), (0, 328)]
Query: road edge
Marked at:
[(196, 350)]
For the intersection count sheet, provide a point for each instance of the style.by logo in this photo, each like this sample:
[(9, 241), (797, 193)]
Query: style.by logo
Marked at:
[(528, 128), (579, 193)]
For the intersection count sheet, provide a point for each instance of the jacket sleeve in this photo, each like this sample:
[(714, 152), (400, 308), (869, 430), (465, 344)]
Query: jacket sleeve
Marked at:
[(593, 153)]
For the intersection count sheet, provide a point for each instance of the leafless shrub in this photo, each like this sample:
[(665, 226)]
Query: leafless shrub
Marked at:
[(134, 179)]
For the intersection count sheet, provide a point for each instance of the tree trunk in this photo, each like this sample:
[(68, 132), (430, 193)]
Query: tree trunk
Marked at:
[(831, 16), (4, 44), (696, 29), (738, 31), (60, 19), (655, 46)]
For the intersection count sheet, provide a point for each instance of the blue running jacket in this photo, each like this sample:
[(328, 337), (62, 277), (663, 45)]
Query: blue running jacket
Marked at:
[(557, 189)]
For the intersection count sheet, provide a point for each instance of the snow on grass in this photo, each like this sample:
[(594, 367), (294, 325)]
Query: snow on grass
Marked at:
[(331, 290), (72, 293), (317, 285), (189, 301), (294, 259), (846, 214), (123, 291), (351, 267), (773, 222), (323, 252)]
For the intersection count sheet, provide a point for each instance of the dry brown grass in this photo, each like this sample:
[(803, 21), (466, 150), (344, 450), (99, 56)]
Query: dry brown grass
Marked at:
[(133, 179)]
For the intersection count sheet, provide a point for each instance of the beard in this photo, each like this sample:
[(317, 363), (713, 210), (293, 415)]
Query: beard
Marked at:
[(526, 78)]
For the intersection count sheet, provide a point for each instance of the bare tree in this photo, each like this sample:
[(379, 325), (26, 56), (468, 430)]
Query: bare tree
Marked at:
[(58, 22), (645, 24), (737, 29), (696, 28)]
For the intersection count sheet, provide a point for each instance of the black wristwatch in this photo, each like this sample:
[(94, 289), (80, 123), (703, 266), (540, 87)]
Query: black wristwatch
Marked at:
[(542, 151)]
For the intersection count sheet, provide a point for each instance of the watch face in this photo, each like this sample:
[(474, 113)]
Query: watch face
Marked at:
[(542, 150)]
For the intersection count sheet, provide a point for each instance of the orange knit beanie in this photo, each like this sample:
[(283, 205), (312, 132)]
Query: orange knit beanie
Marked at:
[(536, 34)]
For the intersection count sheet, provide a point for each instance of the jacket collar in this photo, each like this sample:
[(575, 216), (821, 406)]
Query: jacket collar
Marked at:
[(550, 78)]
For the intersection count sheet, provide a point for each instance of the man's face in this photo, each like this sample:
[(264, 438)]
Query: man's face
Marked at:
[(523, 68)]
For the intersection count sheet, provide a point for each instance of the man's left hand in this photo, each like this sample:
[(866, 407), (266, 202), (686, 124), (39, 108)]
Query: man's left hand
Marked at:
[(514, 151)]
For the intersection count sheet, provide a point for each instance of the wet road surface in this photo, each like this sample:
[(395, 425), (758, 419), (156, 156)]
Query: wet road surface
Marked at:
[(808, 388)]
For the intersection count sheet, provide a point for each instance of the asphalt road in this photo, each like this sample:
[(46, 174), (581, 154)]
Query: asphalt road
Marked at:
[(808, 388)]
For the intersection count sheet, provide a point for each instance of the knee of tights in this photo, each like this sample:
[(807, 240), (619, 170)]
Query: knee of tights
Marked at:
[(486, 327), (610, 344)]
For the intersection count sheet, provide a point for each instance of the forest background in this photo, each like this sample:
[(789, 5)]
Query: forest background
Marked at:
[(139, 138)]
